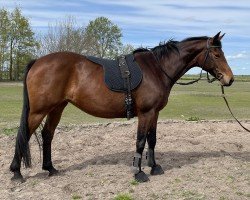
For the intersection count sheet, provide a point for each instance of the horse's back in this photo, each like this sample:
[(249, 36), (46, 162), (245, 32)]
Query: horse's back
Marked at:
[(66, 76)]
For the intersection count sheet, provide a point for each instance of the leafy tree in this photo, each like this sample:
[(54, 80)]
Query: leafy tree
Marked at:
[(127, 49), (4, 27), (103, 38), (22, 43), (17, 42)]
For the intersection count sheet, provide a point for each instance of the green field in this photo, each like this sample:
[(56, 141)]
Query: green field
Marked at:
[(198, 101)]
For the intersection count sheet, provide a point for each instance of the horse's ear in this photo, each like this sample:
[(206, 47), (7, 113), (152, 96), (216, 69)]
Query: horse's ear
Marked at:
[(221, 36), (216, 37)]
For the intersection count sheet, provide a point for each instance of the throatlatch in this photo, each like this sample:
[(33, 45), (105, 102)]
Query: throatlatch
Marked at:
[(126, 77)]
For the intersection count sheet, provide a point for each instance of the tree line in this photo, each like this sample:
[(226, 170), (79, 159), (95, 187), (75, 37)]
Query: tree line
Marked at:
[(19, 44)]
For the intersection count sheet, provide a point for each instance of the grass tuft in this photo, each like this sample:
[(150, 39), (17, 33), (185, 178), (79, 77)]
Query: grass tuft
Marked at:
[(193, 119), (123, 197), (134, 182), (10, 131), (76, 197)]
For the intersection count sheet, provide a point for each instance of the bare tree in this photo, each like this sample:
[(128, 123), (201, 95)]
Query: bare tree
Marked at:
[(63, 36), (101, 38)]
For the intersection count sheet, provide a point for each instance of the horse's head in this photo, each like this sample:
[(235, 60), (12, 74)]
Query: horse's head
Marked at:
[(214, 61)]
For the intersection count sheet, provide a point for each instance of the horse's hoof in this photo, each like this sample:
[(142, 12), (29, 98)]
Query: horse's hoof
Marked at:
[(141, 177), (18, 178), (53, 172), (156, 170)]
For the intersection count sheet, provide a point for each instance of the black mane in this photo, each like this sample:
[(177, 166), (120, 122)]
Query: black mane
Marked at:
[(141, 49), (171, 46), (195, 38), (164, 48)]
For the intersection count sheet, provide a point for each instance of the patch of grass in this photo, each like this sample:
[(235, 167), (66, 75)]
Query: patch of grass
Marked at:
[(134, 182), (193, 119), (76, 197), (35, 182), (90, 174), (123, 197), (192, 195), (154, 196), (230, 178), (223, 198), (10, 131), (204, 100), (177, 180), (131, 190), (201, 99), (240, 193)]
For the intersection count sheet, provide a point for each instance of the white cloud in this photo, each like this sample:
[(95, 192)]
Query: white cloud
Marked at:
[(191, 17), (242, 54)]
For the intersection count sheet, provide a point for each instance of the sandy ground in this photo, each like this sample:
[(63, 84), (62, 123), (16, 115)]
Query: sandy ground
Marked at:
[(201, 160)]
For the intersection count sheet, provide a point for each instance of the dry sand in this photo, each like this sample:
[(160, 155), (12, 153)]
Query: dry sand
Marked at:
[(201, 160)]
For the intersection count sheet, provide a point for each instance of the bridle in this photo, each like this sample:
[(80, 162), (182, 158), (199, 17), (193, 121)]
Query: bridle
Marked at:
[(208, 48), (206, 56)]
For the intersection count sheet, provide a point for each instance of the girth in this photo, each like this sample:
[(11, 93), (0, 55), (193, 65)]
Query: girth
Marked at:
[(125, 73)]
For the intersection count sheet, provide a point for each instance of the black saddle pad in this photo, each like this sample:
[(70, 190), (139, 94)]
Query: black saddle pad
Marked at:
[(112, 73)]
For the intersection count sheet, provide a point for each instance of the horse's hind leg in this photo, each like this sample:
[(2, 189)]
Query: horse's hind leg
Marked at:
[(34, 120), (51, 123)]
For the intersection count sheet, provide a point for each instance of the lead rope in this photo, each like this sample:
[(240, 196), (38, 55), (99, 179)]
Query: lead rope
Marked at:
[(191, 82), (224, 97)]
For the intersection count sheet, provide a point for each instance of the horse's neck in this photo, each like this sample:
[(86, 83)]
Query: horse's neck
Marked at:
[(178, 64)]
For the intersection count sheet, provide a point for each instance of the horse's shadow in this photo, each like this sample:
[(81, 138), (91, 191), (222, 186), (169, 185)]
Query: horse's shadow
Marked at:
[(168, 160)]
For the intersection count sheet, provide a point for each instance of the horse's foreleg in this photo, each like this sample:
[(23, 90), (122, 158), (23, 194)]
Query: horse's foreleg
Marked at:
[(51, 123), (151, 139), (144, 123)]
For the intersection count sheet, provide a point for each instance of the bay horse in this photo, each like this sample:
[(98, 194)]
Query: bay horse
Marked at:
[(53, 81)]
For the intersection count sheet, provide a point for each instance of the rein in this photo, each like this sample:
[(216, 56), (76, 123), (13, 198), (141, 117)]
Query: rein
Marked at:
[(224, 97), (208, 47)]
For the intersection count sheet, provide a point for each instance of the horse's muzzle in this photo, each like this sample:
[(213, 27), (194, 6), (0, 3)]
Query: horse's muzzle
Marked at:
[(228, 83)]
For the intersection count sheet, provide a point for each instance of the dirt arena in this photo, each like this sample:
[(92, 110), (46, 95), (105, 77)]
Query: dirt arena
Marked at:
[(201, 160)]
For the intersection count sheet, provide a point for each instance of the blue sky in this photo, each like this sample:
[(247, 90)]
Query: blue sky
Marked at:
[(147, 22)]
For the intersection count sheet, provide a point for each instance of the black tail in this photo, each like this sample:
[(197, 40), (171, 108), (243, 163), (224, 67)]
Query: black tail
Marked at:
[(23, 135)]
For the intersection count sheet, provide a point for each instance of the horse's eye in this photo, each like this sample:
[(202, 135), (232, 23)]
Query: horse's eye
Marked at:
[(217, 56)]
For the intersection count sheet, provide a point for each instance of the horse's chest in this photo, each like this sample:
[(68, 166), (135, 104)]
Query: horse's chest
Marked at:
[(162, 100)]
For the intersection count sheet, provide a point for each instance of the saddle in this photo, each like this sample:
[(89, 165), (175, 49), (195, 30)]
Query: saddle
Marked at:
[(121, 75), (112, 73)]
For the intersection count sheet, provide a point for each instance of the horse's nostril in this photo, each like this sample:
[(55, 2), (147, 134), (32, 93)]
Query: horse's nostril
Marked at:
[(231, 81)]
